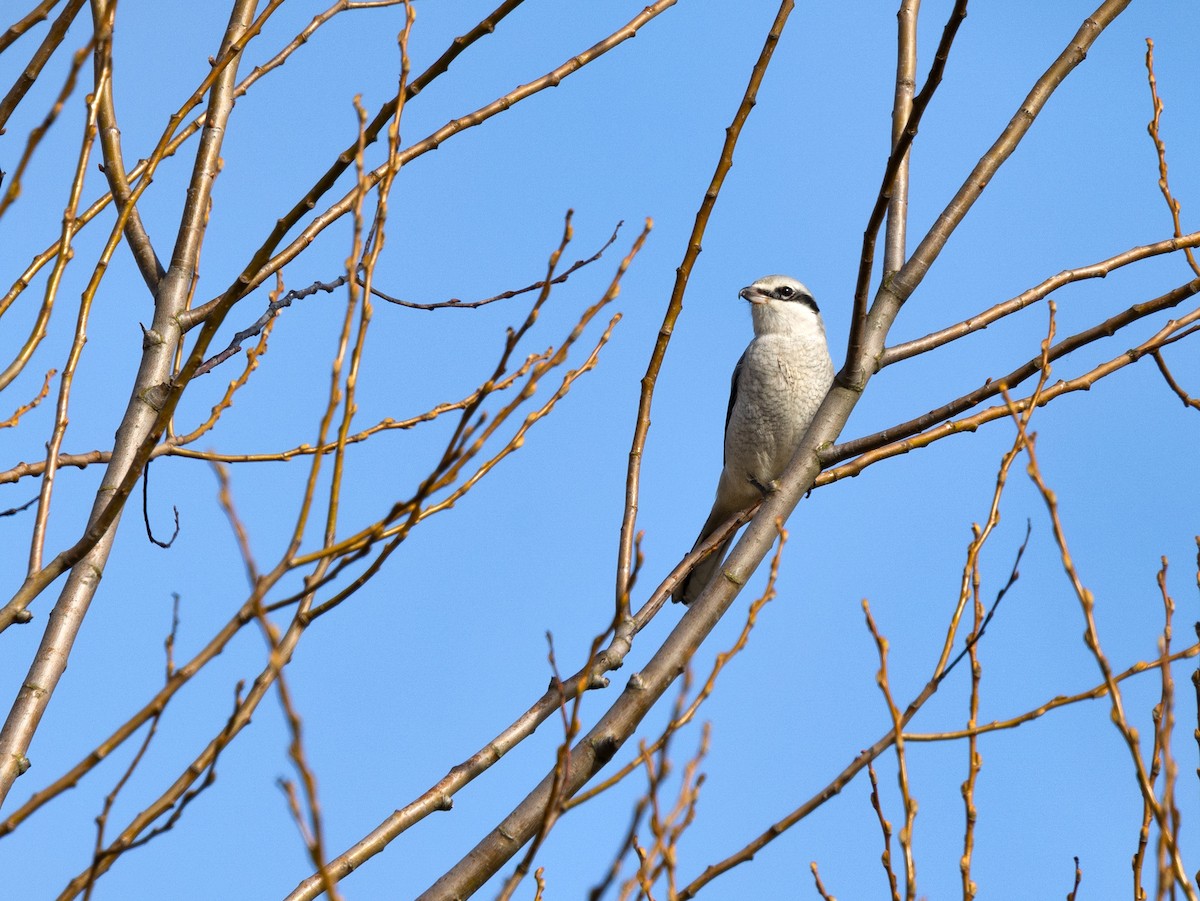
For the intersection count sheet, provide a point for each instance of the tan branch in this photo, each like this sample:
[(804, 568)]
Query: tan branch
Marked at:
[(675, 306), (40, 57), (994, 387), (15, 178), (1168, 333), (1092, 640), (982, 320), (114, 164), (26, 22), (25, 408), (1161, 149)]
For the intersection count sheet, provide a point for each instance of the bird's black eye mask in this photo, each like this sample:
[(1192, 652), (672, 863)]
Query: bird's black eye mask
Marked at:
[(787, 292)]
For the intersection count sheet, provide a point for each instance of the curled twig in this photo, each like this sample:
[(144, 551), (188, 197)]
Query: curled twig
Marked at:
[(146, 513)]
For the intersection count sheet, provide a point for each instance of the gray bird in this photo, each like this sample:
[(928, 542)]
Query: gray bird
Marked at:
[(778, 384)]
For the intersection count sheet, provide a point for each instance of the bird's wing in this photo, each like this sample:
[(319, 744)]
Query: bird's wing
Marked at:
[(733, 390)]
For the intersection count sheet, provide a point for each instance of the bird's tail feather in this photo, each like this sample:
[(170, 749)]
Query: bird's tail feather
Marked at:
[(697, 580)]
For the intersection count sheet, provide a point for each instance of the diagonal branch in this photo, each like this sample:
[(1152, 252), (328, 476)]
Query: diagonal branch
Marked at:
[(675, 306), (114, 164), (40, 57), (899, 352), (993, 387), (26, 22), (896, 171)]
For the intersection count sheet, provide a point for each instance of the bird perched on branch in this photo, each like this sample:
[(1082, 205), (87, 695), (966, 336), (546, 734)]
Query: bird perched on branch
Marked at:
[(778, 384)]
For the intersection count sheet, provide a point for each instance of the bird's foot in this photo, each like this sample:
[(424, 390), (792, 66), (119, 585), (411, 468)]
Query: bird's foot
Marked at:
[(770, 488)]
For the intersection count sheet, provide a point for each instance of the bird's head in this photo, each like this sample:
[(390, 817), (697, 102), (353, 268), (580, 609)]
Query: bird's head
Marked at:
[(780, 303)]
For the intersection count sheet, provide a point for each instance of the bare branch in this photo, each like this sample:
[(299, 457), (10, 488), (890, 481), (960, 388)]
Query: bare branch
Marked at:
[(1092, 640), (26, 22), (110, 143), (266, 260), (981, 321), (906, 85), (675, 306), (13, 191), (25, 408), (1161, 149), (886, 828), (1188, 400), (993, 387), (43, 53), (898, 161)]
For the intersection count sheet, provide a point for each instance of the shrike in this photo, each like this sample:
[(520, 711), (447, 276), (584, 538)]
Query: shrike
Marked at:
[(778, 384)]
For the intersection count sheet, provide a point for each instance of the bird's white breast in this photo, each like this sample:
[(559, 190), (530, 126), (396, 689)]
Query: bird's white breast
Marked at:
[(783, 380)]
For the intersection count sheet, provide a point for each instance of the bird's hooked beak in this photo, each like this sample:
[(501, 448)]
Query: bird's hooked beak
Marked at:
[(753, 294)]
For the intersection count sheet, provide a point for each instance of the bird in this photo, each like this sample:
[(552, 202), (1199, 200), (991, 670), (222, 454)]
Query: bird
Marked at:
[(777, 386)]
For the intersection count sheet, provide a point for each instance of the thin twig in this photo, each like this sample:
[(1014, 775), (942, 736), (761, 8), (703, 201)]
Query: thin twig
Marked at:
[(1092, 640), (907, 801), (13, 190), (1161, 149), (886, 828), (675, 307), (977, 635), (982, 320), (111, 798), (25, 408), (992, 387), (456, 303), (41, 56), (819, 885), (1187, 399), (1071, 895)]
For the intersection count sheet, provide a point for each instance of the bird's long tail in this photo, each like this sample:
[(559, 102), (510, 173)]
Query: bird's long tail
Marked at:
[(697, 580)]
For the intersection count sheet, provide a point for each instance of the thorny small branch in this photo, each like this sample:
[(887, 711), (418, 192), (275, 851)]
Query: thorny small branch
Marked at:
[(25, 408), (886, 828), (1161, 149)]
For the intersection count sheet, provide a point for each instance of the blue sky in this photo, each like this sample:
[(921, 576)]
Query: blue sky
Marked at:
[(447, 645)]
